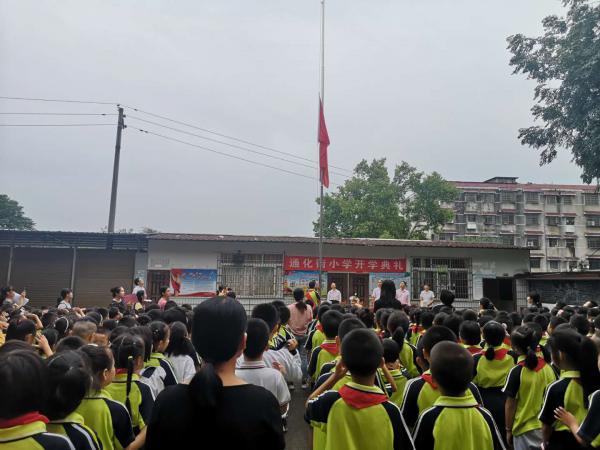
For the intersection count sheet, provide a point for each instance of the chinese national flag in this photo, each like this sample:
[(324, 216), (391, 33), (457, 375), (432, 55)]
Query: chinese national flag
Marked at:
[(323, 144)]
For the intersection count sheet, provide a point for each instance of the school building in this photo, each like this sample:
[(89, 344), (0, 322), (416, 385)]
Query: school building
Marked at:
[(257, 268)]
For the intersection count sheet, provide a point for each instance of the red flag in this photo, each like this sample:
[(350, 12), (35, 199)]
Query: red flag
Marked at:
[(323, 144)]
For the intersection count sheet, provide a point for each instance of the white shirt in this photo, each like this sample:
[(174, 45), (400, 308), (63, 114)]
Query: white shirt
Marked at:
[(17, 298), (183, 366), (257, 373), (334, 295), (64, 305), (291, 363), (137, 289), (426, 298), (377, 293)]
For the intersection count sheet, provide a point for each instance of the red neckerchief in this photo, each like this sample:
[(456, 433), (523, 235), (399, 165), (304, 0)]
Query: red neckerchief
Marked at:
[(31, 417), (429, 380), (540, 364), (473, 349), (360, 399), (500, 354), (319, 327), (507, 340), (120, 371), (331, 347)]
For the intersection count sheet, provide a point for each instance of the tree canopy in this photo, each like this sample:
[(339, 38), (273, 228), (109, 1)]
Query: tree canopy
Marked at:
[(12, 216), (565, 63), (372, 204)]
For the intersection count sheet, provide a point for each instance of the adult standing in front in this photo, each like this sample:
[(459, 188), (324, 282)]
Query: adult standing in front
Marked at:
[(377, 291), (301, 315), (334, 296), (313, 298), (65, 299), (426, 297), (387, 299), (402, 295)]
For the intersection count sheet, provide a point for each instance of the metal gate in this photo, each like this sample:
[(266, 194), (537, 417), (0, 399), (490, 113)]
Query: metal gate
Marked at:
[(453, 274)]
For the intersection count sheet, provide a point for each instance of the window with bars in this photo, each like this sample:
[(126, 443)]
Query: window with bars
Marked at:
[(569, 220), (532, 197), (592, 221), (252, 275), (443, 273), (566, 200), (533, 242), (508, 219), (532, 219), (487, 198), (470, 197), (489, 220), (507, 197), (507, 239), (590, 199), (553, 221), (593, 242), (535, 263), (594, 263), (553, 242), (554, 264)]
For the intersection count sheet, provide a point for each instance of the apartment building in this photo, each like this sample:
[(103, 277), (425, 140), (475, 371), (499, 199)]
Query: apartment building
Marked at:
[(560, 224)]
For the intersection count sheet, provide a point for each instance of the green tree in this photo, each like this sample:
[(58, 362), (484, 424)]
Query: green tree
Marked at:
[(12, 216), (565, 63), (372, 204)]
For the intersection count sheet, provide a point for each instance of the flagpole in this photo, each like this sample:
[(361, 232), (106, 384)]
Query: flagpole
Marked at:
[(322, 97)]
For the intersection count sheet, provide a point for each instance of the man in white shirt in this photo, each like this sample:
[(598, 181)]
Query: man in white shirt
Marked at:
[(427, 297), (334, 295), (377, 290), (402, 294)]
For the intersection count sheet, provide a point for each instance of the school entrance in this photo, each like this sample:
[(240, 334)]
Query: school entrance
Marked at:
[(350, 284)]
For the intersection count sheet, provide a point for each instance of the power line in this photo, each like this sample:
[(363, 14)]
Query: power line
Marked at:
[(55, 124), (230, 137), (169, 138), (55, 100), (55, 114), (129, 116)]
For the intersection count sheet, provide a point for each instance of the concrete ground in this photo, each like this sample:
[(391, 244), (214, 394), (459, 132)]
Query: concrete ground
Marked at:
[(298, 431)]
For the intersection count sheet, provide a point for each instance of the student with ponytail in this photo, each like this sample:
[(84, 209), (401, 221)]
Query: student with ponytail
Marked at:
[(576, 357), (68, 382), (524, 390), (217, 407), (107, 417), (128, 352), (160, 341), (492, 366)]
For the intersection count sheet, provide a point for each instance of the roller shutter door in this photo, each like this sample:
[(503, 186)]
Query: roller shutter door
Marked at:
[(4, 255), (97, 271), (43, 272)]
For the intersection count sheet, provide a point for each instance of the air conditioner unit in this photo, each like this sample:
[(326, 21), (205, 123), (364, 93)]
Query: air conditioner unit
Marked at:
[(472, 226), (531, 244)]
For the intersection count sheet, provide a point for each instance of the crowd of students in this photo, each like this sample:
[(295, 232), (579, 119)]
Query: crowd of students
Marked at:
[(139, 374)]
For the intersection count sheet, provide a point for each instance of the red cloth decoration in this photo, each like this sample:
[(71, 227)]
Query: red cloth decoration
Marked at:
[(429, 380), (331, 347), (323, 144), (360, 399), (31, 417)]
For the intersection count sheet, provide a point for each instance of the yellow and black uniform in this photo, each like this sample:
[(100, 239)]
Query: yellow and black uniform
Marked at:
[(490, 378), (400, 377), (415, 332), (568, 393), (527, 387), (324, 353), (473, 349), (108, 418), (313, 296), (589, 430), (315, 338), (408, 359), (140, 397), (28, 432), (421, 393), (73, 428), (158, 360), (457, 423), (358, 417)]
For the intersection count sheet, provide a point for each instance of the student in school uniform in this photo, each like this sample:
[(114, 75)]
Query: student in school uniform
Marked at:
[(359, 415), (492, 366), (455, 421), (109, 419), (419, 328), (160, 340), (588, 433), (470, 336), (128, 352), (68, 381), (391, 354), (178, 352), (575, 356), (422, 392), (524, 390), (408, 352), (22, 426), (253, 369), (217, 408), (316, 335), (328, 350)]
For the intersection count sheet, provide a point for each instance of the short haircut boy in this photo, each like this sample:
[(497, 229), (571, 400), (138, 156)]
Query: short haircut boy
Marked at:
[(470, 333), (391, 351), (362, 352), (257, 338), (268, 313), (451, 368), (331, 322), (436, 334)]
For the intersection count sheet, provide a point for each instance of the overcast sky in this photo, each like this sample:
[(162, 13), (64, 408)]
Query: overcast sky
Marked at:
[(423, 81)]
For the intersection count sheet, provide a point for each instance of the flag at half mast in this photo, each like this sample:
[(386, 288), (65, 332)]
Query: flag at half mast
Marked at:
[(323, 144)]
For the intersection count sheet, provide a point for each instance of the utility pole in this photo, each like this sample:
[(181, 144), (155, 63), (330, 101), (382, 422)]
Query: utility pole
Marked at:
[(115, 180)]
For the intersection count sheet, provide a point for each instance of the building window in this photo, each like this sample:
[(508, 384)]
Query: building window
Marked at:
[(572, 265), (570, 243), (508, 219), (533, 242), (554, 264), (532, 219), (532, 197), (507, 197), (594, 263), (489, 220), (470, 197), (566, 200), (507, 239), (593, 242), (592, 221), (252, 275), (553, 242), (590, 199), (569, 220), (471, 217), (553, 221), (446, 237), (453, 274), (535, 263), (487, 198), (551, 199)]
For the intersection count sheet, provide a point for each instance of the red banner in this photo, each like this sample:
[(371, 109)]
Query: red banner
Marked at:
[(352, 265)]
